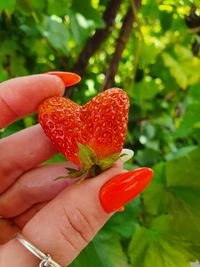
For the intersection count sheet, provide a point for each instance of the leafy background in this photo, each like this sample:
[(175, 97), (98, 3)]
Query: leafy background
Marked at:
[(159, 69)]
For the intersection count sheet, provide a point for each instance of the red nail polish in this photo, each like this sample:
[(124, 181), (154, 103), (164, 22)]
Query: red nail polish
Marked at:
[(122, 188), (69, 78)]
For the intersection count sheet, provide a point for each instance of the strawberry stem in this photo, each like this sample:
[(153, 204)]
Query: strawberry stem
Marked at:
[(90, 165)]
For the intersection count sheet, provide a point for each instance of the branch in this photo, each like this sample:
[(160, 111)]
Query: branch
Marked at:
[(99, 37), (121, 42), (193, 23)]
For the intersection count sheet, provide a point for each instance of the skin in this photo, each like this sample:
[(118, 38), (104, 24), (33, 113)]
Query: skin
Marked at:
[(58, 217)]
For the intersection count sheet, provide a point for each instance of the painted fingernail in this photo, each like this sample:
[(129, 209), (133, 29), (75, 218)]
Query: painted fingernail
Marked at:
[(126, 154), (69, 78), (121, 209), (122, 188)]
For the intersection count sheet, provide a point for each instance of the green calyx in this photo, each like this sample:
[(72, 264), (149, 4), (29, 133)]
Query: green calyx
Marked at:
[(90, 165)]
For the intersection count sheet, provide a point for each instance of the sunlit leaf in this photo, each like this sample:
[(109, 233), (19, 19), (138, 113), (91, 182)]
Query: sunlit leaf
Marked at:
[(182, 66), (80, 27), (56, 33), (148, 54), (150, 248), (8, 4), (104, 251)]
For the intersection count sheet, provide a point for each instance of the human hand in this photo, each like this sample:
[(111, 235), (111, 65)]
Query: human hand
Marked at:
[(58, 217)]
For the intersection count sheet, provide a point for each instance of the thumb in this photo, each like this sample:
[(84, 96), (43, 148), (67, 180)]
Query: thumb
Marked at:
[(67, 224)]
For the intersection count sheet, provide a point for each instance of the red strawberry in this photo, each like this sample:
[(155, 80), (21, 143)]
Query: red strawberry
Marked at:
[(91, 136)]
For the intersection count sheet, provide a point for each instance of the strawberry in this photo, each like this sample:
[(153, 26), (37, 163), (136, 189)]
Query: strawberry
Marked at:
[(91, 136)]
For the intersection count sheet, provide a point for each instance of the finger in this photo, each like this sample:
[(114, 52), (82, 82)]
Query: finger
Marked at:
[(8, 229), (72, 219), (23, 218), (34, 187), (21, 96), (22, 151)]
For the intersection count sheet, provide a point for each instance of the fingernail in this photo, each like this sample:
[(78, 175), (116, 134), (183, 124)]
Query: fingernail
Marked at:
[(126, 154), (121, 209), (69, 78), (122, 188)]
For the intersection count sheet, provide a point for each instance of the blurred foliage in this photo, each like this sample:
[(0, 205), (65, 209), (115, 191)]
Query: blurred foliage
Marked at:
[(160, 72)]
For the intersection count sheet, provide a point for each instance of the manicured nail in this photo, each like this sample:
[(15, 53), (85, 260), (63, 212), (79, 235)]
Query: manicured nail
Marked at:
[(69, 78), (121, 209), (126, 154), (122, 188)]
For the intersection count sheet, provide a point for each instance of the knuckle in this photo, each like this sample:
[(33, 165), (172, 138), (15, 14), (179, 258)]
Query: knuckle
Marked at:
[(8, 106), (27, 194), (80, 224)]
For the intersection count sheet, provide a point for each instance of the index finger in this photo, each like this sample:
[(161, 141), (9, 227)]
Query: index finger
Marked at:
[(21, 96)]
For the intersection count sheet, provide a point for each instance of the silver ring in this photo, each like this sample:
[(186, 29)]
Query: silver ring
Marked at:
[(46, 260)]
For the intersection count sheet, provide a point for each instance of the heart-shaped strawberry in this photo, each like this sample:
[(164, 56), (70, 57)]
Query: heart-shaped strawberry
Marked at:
[(91, 136)]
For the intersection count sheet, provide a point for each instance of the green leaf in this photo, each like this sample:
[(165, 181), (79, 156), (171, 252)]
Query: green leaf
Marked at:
[(166, 19), (57, 158), (175, 70), (27, 7), (182, 65), (104, 251), (80, 27), (197, 3), (8, 4), (103, 2), (56, 33), (29, 121), (124, 223), (148, 157), (3, 74), (144, 91), (162, 223), (175, 189), (91, 14), (148, 54), (11, 129), (183, 151), (149, 248), (59, 8), (17, 65), (155, 195), (150, 10), (194, 93), (190, 120), (183, 187)]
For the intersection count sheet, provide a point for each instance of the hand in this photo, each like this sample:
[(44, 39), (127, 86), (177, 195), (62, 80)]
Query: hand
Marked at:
[(58, 217)]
